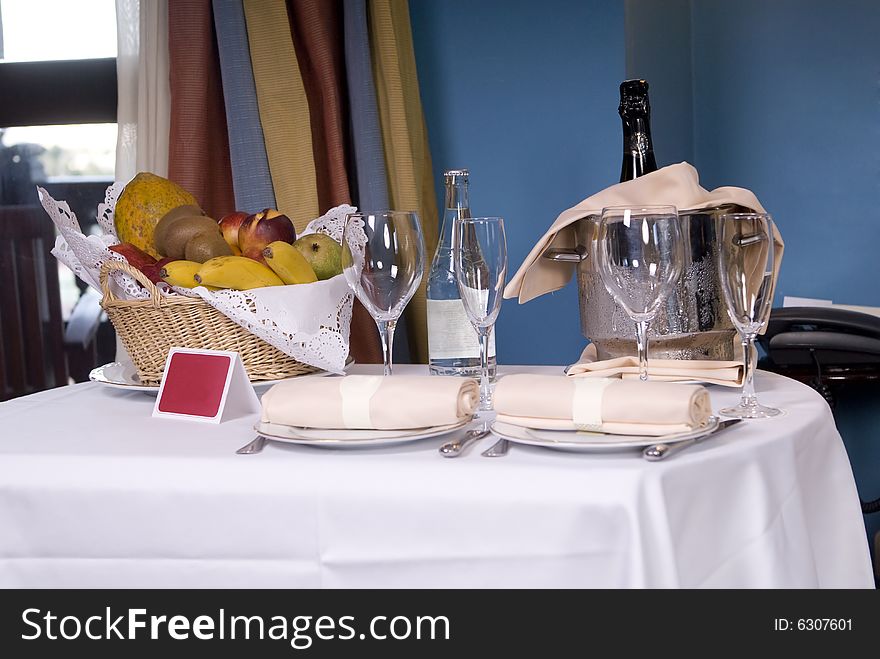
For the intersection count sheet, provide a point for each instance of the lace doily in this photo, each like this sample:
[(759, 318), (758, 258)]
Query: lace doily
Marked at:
[(86, 254), (309, 322)]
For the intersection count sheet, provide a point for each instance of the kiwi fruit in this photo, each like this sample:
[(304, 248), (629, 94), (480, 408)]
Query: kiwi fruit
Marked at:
[(170, 218), (184, 229), (205, 246)]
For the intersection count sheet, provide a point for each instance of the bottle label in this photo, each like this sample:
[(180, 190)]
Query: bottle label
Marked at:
[(450, 333)]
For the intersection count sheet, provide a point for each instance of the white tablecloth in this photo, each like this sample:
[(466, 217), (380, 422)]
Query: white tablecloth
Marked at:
[(95, 493)]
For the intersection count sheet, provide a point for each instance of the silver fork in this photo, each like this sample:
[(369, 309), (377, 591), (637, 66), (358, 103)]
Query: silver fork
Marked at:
[(254, 446)]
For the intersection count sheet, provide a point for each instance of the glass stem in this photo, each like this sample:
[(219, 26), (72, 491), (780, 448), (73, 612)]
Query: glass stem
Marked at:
[(642, 343), (386, 333), (485, 389), (748, 392)]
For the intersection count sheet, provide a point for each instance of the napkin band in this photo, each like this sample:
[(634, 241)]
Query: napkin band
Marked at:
[(586, 404), (357, 391)]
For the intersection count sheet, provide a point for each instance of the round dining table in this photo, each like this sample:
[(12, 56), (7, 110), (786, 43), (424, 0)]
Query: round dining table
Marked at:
[(95, 492)]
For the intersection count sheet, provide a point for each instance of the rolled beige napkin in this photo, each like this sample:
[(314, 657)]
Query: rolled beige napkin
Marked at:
[(677, 185), (620, 407), (725, 373), (376, 402)]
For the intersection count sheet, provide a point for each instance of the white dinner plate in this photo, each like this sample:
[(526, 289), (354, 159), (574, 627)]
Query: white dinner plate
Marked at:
[(575, 440), (351, 438), (125, 377)]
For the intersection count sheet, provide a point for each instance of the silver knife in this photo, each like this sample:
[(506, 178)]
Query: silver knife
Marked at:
[(657, 452), (456, 448)]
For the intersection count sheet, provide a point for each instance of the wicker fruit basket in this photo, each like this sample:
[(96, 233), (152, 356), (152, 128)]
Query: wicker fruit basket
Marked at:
[(149, 328)]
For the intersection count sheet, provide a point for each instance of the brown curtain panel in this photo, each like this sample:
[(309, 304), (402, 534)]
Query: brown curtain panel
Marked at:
[(316, 26), (198, 154)]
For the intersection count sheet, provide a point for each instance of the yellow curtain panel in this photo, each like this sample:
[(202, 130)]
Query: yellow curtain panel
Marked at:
[(405, 138), (284, 110)]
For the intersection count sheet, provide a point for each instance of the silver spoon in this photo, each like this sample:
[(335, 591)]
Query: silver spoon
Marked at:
[(254, 446), (657, 452), (456, 448), (497, 450)]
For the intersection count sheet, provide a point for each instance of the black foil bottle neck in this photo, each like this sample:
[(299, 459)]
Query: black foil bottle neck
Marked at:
[(635, 113)]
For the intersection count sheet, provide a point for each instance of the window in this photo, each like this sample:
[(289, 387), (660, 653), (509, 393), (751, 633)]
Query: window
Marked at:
[(57, 59)]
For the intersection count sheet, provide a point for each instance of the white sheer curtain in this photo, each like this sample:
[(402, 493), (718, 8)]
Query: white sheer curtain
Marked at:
[(144, 107), (143, 113)]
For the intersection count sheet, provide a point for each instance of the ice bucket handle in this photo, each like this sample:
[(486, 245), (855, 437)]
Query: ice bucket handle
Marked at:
[(566, 254)]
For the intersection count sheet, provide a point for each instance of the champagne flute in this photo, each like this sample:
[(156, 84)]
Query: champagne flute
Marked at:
[(480, 253), (383, 258), (746, 259), (638, 253)]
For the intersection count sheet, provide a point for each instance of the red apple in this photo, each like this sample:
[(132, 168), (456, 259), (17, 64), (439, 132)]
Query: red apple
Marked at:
[(229, 226), (262, 228), (255, 253)]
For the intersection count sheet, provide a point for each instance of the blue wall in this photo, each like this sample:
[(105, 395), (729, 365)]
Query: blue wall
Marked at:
[(781, 97), (664, 57), (787, 103), (525, 95)]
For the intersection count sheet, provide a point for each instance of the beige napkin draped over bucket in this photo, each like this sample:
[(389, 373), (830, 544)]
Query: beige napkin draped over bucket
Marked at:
[(725, 373), (620, 407), (676, 185), (371, 402)]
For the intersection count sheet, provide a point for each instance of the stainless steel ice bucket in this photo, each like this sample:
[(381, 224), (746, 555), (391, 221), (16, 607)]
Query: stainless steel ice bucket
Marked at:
[(692, 324)]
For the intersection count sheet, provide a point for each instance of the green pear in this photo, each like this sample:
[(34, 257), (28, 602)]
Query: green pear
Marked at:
[(322, 252)]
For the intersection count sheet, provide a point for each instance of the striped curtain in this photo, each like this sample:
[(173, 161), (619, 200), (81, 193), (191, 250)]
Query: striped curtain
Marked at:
[(302, 106)]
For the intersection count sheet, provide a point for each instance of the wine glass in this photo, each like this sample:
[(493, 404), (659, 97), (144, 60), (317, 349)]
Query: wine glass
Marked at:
[(383, 258), (638, 253), (745, 269), (480, 253)]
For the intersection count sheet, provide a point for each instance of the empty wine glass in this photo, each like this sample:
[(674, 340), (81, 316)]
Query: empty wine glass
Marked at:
[(638, 253), (745, 269), (480, 261), (383, 258)]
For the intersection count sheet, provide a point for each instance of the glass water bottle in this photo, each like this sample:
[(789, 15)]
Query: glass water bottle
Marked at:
[(453, 344)]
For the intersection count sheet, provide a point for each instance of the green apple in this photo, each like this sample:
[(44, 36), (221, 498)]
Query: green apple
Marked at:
[(322, 252)]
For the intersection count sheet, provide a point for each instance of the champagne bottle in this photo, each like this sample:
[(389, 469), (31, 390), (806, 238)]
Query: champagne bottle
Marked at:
[(453, 344), (635, 112)]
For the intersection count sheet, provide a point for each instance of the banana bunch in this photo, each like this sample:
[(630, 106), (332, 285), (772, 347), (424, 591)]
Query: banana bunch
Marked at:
[(237, 272), (181, 273), (288, 263)]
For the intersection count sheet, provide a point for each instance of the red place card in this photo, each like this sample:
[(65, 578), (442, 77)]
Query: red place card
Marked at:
[(205, 385)]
